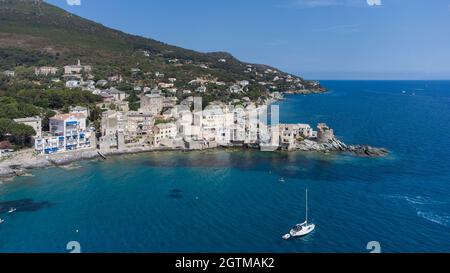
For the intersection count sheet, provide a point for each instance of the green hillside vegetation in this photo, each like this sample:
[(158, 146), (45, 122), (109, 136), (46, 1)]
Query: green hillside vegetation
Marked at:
[(34, 34), (17, 134), (52, 36)]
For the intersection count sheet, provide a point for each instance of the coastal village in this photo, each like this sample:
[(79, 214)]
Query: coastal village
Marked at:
[(163, 122)]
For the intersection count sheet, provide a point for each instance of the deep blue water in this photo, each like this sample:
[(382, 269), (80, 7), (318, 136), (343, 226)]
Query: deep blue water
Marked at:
[(222, 201)]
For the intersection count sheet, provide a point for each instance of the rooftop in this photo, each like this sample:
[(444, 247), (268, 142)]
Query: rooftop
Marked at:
[(68, 116), (28, 119), (165, 125)]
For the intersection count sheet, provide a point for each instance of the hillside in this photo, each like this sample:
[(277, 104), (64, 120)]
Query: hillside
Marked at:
[(34, 33)]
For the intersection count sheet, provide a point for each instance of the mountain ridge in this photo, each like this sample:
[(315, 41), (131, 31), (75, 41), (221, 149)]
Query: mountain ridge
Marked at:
[(36, 27)]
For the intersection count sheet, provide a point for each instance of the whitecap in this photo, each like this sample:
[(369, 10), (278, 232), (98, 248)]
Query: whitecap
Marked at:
[(435, 218)]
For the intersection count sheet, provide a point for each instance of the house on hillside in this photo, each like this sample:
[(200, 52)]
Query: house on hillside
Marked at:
[(45, 71), (76, 69)]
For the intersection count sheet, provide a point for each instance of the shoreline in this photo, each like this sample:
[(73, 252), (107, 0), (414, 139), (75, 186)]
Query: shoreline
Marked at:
[(20, 163), (18, 166)]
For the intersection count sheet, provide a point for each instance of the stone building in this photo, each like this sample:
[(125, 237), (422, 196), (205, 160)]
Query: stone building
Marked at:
[(325, 133), (77, 69), (152, 104), (164, 134), (139, 124), (114, 127), (45, 70), (34, 122)]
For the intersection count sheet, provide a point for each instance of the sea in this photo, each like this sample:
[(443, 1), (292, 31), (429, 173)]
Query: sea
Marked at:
[(233, 200)]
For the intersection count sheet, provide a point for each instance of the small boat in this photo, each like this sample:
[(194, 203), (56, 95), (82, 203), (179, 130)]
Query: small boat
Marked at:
[(302, 229), (403, 92), (12, 210), (1, 221), (281, 179)]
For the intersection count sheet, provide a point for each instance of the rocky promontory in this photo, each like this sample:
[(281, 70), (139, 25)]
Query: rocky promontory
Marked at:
[(327, 142), (335, 145)]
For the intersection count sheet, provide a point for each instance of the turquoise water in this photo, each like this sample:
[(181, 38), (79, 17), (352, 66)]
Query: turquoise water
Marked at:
[(232, 201)]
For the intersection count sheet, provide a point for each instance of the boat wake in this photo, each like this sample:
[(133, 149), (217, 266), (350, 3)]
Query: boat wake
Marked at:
[(423, 205), (432, 217)]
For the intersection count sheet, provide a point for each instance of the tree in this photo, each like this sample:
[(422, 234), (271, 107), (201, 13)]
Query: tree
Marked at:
[(16, 133), (10, 108), (133, 101), (46, 119)]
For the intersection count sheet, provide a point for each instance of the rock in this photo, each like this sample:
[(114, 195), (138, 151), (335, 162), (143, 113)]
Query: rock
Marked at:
[(335, 145), (365, 150)]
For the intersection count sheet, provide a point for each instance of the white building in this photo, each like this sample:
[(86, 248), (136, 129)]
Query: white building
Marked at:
[(164, 131), (45, 70), (67, 132), (73, 84), (165, 85), (77, 69), (235, 88), (244, 83), (9, 73), (79, 110), (289, 133), (66, 124)]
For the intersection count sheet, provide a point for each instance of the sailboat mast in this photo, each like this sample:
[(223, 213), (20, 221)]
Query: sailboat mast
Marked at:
[(306, 206)]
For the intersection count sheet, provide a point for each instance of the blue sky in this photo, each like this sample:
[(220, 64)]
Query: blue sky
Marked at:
[(317, 39)]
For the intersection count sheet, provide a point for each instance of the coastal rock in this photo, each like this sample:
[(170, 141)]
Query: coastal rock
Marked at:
[(335, 145), (7, 172), (26, 160), (67, 158), (365, 150)]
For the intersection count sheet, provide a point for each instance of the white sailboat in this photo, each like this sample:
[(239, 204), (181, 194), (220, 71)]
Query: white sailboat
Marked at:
[(302, 229), (1, 221), (12, 210)]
